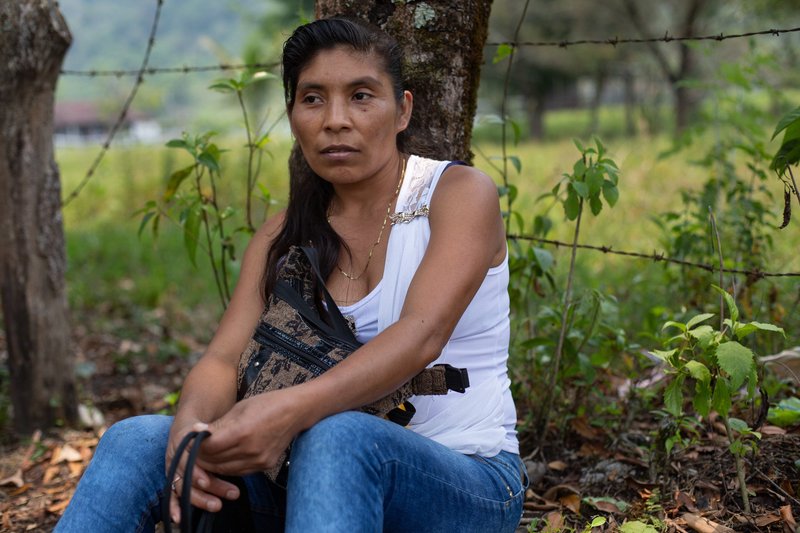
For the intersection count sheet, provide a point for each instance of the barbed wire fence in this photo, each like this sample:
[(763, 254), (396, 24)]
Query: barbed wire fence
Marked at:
[(146, 70)]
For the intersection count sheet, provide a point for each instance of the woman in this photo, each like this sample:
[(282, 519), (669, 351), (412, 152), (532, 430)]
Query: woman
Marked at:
[(414, 251)]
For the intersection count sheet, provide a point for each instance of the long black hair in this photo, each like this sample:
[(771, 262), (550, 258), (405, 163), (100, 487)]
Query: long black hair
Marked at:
[(310, 195)]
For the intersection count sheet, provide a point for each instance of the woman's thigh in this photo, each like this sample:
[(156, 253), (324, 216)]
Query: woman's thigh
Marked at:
[(356, 472), (122, 487)]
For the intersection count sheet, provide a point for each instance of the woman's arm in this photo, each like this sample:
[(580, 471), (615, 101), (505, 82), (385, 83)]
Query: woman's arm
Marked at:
[(209, 390), (467, 238)]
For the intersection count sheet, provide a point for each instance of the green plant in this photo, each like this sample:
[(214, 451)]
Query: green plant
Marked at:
[(788, 155), (198, 207), (594, 177), (728, 144), (718, 365)]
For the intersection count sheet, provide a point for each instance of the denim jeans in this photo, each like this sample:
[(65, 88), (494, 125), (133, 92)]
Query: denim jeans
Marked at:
[(350, 473)]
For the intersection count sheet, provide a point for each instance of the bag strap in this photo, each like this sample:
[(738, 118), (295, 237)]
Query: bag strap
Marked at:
[(339, 322), (186, 506)]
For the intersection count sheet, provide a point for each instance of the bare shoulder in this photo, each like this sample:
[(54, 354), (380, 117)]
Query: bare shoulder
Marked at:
[(462, 188), (465, 209)]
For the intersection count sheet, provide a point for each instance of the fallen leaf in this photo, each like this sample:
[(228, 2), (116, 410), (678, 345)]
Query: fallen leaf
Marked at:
[(75, 469), (557, 465), (607, 504), (572, 502), (786, 514), (585, 430), (50, 474), (685, 500), (15, 479), (66, 453), (58, 507), (555, 521), (772, 430), (767, 519), (21, 490), (555, 492)]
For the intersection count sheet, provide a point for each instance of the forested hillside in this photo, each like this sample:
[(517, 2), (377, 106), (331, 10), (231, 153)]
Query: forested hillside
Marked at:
[(114, 36)]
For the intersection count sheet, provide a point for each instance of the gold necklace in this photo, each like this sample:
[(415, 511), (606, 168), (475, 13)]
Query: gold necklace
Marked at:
[(377, 242)]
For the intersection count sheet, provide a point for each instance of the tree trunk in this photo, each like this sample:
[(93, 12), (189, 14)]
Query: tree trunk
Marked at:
[(600, 79), (443, 41), (33, 42), (686, 100), (534, 106), (630, 103)]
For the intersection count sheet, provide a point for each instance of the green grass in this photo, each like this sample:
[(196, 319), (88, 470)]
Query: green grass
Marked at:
[(108, 264)]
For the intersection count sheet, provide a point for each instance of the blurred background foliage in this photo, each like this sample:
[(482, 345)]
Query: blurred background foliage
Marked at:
[(123, 281)]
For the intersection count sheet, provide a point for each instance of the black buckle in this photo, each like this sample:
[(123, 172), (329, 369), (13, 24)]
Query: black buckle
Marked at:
[(456, 379)]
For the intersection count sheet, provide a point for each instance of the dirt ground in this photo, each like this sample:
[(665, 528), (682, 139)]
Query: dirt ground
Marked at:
[(586, 474)]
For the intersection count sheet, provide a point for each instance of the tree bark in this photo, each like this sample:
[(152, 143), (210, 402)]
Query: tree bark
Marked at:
[(443, 42), (33, 42)]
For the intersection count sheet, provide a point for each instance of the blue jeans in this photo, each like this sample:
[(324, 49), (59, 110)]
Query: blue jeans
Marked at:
[(351, 472)]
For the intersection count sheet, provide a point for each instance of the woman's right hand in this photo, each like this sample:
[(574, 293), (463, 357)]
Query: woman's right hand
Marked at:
[(208, 490)]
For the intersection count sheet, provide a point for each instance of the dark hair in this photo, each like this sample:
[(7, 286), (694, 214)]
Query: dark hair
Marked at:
[(309, 194)]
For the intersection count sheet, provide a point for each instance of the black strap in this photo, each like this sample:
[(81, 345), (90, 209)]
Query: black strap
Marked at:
[(234, 517), (186, 507), (338, 320)]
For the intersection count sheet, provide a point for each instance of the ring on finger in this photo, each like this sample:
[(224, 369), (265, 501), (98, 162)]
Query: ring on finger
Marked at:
[(177, 478)]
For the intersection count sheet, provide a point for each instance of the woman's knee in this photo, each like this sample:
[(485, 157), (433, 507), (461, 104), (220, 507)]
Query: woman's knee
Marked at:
[(336, 434), (136, 435)]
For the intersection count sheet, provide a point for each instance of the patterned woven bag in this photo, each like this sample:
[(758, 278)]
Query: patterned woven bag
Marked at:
[(298, 339)]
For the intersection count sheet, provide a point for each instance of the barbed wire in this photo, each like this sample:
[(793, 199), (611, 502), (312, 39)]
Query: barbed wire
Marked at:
[(658, 257), (613, 41), (169, 70), (667, 38), (123, 112)]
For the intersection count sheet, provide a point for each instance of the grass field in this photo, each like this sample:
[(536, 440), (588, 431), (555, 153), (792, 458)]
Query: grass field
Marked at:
[(109, 262)]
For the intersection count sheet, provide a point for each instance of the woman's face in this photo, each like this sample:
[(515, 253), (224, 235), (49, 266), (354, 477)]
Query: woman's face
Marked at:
[(345, 115)]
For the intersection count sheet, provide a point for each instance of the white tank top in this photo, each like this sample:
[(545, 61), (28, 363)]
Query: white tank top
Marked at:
[(478, 343)]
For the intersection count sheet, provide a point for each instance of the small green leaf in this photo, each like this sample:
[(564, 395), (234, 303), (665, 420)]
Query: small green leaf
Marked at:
[(516, 162), (610, 193), (665, 356), (785, 121), (595, 204), (225, 86), (673, 396), (636, 526), (208, 160), (760, 326), (786, 413), (702, 398), (503, 51), (594, 179), (721, 400), (704, 334), (175, 181), (578, 145), (671, 323), (739, 425), (736, 360), (517, 132), (177, 143), (581, 188), (191, 232), (579, 169), (698, 319), (733, 311), (699, 371), (145, 219), (572, 205)]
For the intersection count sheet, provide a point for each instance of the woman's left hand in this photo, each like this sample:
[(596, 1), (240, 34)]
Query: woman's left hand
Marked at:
[(253, 435)]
